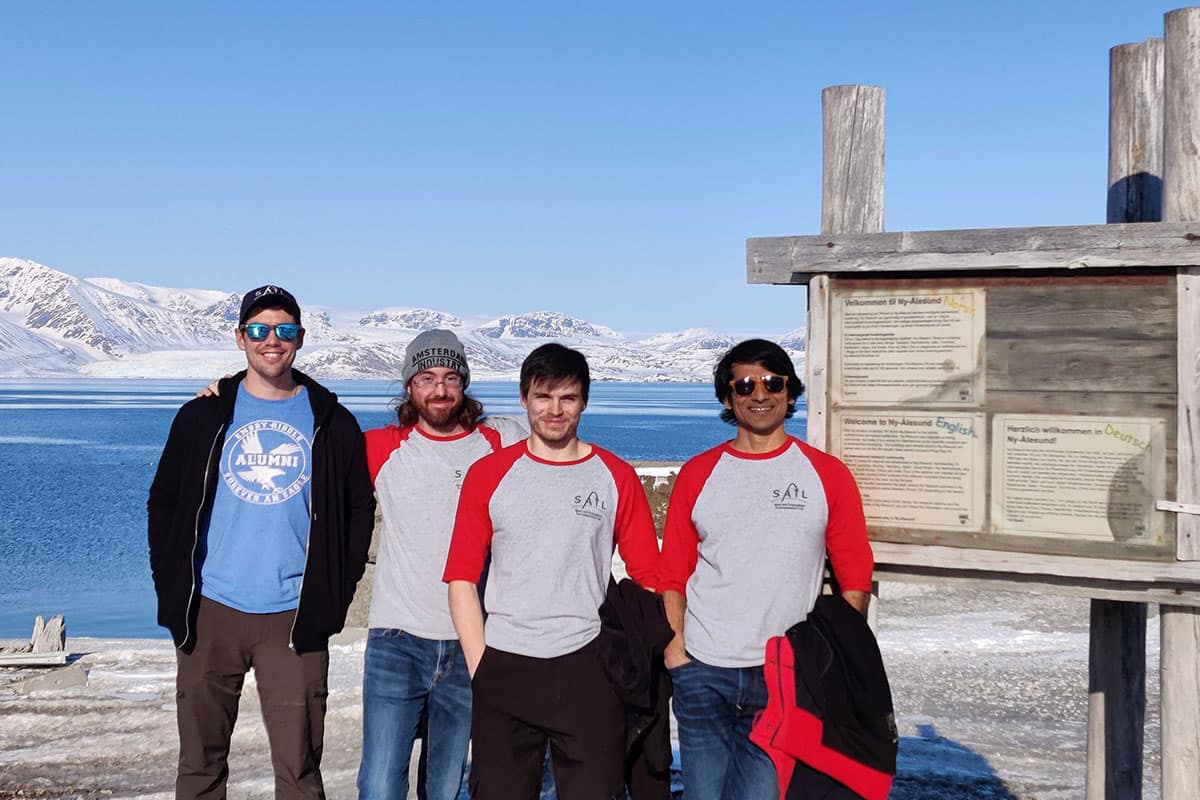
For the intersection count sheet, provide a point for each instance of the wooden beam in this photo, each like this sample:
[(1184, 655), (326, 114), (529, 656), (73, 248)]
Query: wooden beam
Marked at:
[(1174, 577), (816, 364), (852, 120), (1179, 653), (852, 159), (1179, 677), (1135, 138), (1181, 104), (1098, 403), (1117, 629), (1187, 529), (1137, 308), (1080, 363), (1039, 584), (852, 124), (1116, 699), (1128, 246)]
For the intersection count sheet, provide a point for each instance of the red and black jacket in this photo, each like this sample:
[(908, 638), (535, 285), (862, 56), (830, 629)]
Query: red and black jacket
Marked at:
[(829, 702)]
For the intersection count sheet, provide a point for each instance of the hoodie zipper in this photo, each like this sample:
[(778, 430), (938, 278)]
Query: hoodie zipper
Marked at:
[(187, 617), (307, 545)]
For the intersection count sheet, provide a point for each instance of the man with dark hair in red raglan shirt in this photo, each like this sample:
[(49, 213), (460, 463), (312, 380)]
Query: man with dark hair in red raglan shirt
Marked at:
[(549, 510), (748, 528)]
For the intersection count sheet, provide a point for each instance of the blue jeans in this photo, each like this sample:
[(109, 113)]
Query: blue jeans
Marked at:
[(408, 681), (715, 708)]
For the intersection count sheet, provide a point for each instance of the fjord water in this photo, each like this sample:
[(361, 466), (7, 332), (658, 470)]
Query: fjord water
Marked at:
[(77, 457)]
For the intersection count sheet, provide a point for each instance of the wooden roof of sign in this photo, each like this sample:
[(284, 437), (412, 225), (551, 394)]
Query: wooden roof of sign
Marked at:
[(795, 259)]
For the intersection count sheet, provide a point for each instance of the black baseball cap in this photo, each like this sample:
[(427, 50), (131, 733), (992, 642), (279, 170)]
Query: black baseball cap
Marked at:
[(269, 297)]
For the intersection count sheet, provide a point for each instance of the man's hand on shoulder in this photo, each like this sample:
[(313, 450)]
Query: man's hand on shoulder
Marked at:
[(214, 388)]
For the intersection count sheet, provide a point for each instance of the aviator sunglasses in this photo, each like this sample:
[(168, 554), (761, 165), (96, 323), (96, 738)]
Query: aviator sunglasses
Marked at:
[(284, 332), (774, 384)]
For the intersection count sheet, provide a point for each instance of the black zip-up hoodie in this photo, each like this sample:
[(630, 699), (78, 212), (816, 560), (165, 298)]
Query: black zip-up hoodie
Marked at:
[(342, 513)]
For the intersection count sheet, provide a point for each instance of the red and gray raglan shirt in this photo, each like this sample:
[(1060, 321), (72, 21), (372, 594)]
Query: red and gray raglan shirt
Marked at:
[(745, 542), (417, 478), (550, 528)]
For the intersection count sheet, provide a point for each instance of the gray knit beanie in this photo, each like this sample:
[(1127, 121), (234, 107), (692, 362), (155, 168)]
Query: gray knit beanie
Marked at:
[(436, 348)]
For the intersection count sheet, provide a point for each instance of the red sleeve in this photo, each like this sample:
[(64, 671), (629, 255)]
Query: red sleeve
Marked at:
[(634, 526), (680, 537), (472, 536), (846, 532), (381, 443), (491, 435)]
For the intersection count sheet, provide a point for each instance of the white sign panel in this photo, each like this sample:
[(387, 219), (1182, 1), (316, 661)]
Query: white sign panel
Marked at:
[(916, 469), (913, 347), (1086, 478)]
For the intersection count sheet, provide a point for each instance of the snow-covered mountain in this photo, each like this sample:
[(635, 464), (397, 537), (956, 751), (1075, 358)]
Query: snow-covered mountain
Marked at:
[(53, 323), (104, 318), (413, 319), (544, 325)]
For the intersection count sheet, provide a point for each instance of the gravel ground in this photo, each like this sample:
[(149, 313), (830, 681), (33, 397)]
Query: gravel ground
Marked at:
[(990, 691)]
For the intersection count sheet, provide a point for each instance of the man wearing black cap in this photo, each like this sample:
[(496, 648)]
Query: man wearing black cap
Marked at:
[(260, 516)]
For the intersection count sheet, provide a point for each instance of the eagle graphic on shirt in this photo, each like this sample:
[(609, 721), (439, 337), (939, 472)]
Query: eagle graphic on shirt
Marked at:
[(265, 467)]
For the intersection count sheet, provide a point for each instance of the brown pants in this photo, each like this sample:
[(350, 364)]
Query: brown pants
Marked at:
[(292, 688), (521, 703)]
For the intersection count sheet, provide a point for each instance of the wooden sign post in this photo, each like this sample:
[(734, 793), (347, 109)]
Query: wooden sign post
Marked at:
[(1179, 659), (1021, 407), (1117, 646)]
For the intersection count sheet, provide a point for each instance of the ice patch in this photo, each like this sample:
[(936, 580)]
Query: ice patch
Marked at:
[(48, 440)]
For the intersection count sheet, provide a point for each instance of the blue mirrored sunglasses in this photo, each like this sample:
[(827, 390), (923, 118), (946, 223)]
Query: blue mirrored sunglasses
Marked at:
[(284, 332)]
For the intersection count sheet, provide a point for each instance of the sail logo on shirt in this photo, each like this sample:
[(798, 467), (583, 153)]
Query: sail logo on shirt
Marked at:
[(265, 462), (791, 497), (590, 505)]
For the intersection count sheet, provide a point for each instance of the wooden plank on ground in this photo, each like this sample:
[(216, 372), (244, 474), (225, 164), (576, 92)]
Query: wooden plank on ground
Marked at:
[(32, 659)]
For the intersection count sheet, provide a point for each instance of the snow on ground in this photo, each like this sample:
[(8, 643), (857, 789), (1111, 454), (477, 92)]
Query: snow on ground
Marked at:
[(990, 691), (116, 736)]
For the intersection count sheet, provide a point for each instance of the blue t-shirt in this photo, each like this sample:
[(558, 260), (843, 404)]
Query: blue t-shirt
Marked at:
[(253, 546)]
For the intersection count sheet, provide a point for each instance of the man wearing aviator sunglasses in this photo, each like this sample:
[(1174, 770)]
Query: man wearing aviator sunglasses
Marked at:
[(260, 517), (748, 528)]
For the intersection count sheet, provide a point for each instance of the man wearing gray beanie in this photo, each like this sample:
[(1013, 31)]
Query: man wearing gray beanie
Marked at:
[(414, 667), (436, 348)]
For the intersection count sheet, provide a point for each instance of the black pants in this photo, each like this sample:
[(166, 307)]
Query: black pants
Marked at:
[(521, 703), (648, 742), (293, 690)]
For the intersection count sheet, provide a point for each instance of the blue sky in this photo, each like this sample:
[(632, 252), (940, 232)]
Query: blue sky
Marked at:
[(607, 160)]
